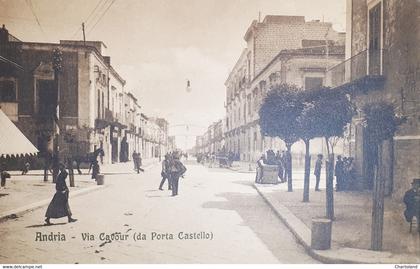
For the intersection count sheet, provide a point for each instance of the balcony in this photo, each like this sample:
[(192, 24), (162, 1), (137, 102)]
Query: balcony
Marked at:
[(362, 72)]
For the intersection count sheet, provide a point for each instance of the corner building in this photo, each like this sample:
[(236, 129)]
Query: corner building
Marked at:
[(280, 49)]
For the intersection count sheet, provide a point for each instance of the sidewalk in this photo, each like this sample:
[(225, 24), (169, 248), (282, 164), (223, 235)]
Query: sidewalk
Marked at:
[(28, 192), (351, 229)]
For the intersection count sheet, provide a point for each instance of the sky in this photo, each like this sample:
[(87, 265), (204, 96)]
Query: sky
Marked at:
[(157, 45)]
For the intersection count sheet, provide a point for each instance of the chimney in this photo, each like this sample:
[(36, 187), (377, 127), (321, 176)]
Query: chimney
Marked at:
[(4, 34)]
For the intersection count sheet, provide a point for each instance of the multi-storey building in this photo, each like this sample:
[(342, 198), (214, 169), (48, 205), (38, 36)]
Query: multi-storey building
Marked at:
[(383, 63), (162, 136), (281, 49), (94, 109)]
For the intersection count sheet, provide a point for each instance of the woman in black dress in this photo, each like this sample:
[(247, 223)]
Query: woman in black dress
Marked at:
[(59, 205)]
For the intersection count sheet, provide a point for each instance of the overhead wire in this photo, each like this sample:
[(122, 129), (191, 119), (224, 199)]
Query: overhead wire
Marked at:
[(31, 7), (93, 10), (103, 14), (98, 4)]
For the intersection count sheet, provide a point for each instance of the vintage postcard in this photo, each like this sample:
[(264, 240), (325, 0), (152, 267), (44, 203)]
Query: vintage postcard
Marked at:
[(209, 132)]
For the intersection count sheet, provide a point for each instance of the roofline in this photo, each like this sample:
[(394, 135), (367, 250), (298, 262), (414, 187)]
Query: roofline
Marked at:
[(94, 41), (117, 75), (251, 27), (83, 47), (236, 64), (131, 95), (293, 52)]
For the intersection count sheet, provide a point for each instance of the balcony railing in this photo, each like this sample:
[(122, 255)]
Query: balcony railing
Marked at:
[(364, 64)]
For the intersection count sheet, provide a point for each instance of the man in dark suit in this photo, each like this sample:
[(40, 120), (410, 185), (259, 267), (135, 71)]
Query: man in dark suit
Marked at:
[(339, 172), (176, 170), (412, 202), (165, 173), (317, 171)]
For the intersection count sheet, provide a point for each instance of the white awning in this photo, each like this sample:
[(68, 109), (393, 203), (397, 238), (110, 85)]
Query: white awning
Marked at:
[(12, 141)]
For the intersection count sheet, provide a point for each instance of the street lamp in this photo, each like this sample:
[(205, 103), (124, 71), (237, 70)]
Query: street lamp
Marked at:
[(188, 88), (57, 66)]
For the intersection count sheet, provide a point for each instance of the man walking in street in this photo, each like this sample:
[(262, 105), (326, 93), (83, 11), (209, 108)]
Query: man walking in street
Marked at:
[(134, 157), (176, 170), (317, 171), (165, 173), (137, 162)]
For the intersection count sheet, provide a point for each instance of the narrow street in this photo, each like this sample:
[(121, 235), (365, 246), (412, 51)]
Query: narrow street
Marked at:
[(218, 202)]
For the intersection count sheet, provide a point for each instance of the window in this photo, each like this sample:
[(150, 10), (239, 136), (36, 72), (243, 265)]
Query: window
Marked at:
[(7, 91), (103, 105), (99, 104), (47, 97), (313, 82)]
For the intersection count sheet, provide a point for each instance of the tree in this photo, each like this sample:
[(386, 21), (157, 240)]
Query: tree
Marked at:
[(278, 117), (381, 123), (307, 130), (326, 114), (333, 112)]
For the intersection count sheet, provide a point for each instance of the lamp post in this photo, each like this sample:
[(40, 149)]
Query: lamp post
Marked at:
[(57, 66)]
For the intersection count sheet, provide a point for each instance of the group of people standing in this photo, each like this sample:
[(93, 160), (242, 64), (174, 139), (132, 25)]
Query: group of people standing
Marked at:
[(281, 159), (345, 173), (222, 157), (172, 170)]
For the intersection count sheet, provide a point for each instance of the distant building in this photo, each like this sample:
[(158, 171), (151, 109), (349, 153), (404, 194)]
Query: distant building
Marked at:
[(171, 144), (281, 49)]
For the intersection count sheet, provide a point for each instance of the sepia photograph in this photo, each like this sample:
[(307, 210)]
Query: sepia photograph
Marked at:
[(209, 132)]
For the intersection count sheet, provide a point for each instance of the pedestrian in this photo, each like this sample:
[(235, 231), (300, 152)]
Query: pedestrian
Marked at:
[(280, 165), (412, 202), (134, 157), (4, 175), (137, 162), (25, 168), (339, 173), (260, 169), (176, 170), (317, 171), (165, 173), (94, 165), (59, 205)]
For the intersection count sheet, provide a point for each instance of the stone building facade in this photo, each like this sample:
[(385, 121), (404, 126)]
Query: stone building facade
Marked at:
[(95, 110), (383, 63), (281, 49)]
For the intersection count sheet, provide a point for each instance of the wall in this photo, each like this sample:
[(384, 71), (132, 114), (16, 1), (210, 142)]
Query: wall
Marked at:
[(401, 69)]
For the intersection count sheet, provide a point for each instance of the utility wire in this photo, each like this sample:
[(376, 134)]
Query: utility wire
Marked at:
[(103, 14), (100, 3), (93, 10), (29, 3)]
